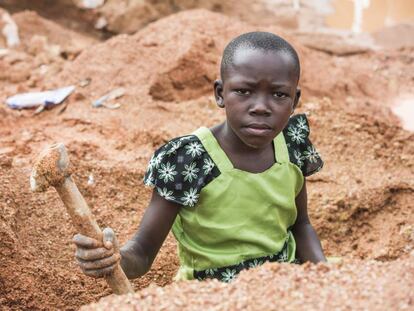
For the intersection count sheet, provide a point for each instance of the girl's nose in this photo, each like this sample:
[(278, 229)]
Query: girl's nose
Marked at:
[(259, 106)]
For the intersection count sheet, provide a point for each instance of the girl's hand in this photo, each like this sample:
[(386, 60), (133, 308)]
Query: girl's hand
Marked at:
[(96, 258)]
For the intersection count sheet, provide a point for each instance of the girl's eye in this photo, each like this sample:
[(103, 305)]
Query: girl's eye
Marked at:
[(279, 95), (243, 92)]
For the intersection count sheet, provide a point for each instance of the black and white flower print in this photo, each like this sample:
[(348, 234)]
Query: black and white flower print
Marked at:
[(165, 193), (190, 197), (190, 172), (175, 145), (194, 148), (208, 166), (296, 134), (298, 157), (182, 167), (283, 255), (301, 151), (158, 159), (210, 271), (149, 179), (311, 154), (255, 263), (302, 123), (230, 273), (167, 172)]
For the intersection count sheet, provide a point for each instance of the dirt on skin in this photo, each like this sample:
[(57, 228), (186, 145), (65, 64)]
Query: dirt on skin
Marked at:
[(360, 203)]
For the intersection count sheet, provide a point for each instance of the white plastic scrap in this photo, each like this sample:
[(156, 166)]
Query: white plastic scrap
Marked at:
[(114, 94), (35, 99), (90, 4), (101, 23), (91, 180), (10, 30)]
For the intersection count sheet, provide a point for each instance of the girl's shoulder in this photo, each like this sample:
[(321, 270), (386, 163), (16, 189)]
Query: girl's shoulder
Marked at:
[(179, 169), (302, 152)]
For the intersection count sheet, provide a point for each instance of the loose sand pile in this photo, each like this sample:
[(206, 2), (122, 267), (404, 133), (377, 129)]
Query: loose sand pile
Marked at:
[(357, 285), (360, 203)]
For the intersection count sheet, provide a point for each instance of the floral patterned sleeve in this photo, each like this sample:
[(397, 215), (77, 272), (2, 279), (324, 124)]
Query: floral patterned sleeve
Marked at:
[(301, 151), (180, 169)]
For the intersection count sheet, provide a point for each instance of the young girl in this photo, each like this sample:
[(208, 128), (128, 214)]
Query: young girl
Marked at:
[(234, 195)]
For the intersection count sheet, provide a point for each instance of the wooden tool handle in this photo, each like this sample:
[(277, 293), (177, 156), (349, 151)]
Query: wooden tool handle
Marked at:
[(86, 224)]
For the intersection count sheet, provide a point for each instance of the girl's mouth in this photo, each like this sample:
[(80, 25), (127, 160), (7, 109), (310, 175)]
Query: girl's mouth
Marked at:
[(258, 129)]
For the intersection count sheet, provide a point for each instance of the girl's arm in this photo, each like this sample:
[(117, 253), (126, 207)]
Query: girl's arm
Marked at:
[(308, 246), (137, 254)]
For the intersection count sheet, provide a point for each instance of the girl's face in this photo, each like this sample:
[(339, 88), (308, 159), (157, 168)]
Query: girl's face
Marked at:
[(259, 94)]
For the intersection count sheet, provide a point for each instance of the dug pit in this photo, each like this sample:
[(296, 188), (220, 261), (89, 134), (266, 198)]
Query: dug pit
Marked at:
[(360, 203)]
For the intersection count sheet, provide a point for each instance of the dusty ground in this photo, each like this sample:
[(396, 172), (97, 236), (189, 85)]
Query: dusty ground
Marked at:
[(361, 203), (361, 285)]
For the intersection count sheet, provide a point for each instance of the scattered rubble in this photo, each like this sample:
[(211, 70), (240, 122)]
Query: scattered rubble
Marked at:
[(35, 32), (360, 203)]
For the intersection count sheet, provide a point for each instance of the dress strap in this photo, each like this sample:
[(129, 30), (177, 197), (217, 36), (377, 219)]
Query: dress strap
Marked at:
[(213, 148), (281, 150)]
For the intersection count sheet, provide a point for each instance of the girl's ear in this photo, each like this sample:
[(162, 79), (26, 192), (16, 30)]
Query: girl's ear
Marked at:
[(297, 97), (218, 93)]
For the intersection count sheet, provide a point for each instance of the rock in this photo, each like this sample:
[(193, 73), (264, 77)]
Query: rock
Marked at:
[(5, 161), (395, 37), (334, 44)]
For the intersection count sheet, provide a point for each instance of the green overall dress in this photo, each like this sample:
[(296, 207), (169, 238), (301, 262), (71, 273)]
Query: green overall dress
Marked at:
[(239, 215)]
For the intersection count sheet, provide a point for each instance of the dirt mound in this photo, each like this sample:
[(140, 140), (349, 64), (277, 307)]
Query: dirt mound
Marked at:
[(181, 52), (131, 16), (175, 58), (382, 223), (192, 75), (33, 28), (349, 286), (166, 59)]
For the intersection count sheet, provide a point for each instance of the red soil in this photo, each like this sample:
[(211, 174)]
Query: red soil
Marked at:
[(360, 203)]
